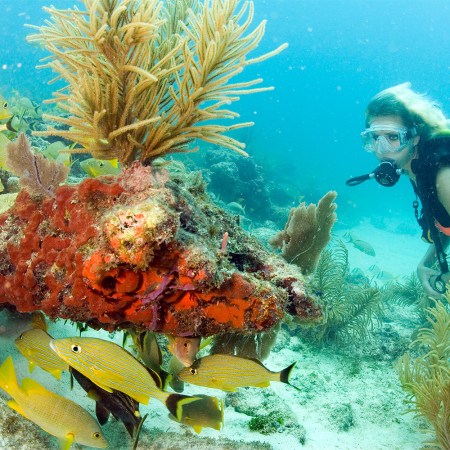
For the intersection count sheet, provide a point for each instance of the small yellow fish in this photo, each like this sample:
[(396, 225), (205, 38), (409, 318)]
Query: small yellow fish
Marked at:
[(201, 411), (96, 167), (57, 151), (56, 415), (4, 141), (228, 372), (34, 344), (38, 320), (184, 348), (5, 112), (109, 366), (147, 348), (359, 244), (174, 368)]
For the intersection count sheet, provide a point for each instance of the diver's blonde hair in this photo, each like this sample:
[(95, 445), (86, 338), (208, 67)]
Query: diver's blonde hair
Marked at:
[(416, 110), (419, 104)]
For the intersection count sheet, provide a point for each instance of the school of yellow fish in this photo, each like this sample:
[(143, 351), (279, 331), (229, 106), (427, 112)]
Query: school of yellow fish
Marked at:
[(118, 382)]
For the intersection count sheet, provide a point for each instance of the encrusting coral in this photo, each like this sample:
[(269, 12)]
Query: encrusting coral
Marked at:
[(147, 77), (307, 232), (135, 251)]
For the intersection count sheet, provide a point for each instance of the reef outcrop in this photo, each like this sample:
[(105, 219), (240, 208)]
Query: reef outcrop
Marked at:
[(143, 250)]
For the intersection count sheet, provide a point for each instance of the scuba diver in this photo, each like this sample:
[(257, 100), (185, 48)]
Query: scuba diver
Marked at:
[(409, 134)]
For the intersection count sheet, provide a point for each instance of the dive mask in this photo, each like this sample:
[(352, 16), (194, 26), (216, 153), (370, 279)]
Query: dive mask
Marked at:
[(384, 139)]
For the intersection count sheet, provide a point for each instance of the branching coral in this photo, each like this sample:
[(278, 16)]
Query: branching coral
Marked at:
[(146, 77), (427, 378), (307, 232), (349, 310)]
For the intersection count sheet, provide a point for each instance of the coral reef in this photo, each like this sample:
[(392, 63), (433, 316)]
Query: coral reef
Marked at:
[(231, 178), (145, 77), (137, 251), (307, 232)]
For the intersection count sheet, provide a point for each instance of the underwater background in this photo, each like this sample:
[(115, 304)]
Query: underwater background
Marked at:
[(305, 142), (306, 133)]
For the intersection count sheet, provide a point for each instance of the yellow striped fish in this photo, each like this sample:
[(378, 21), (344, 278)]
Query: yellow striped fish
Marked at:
[(56, 415), (38, 320), (228, 372), (34, 344), (109, 366)]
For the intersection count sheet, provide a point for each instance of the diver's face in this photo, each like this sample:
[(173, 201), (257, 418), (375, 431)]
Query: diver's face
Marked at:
[(390, 147)]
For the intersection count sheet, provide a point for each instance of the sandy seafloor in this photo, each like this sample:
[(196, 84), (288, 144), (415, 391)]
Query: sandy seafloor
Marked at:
[(347, 400)]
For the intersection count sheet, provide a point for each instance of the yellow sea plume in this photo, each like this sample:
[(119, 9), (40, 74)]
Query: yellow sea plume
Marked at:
[(146, 77)]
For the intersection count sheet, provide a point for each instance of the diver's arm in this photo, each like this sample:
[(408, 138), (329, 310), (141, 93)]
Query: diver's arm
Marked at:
[(426, 274)]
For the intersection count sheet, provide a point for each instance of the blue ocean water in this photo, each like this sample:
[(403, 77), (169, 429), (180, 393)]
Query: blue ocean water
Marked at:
[(341, 52)]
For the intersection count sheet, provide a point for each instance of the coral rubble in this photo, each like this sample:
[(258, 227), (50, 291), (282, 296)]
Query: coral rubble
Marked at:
[(143, 250)]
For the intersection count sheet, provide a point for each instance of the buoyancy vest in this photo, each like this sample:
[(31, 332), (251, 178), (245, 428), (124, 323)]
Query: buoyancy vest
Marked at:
[(434, 154)]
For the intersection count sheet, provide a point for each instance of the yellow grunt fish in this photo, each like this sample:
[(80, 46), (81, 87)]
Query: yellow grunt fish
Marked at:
[(227, 372), (38, 320), (112, 368), (5, 112), (56, 415), (109, 366), (201, 411), (34, 344)]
